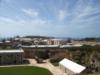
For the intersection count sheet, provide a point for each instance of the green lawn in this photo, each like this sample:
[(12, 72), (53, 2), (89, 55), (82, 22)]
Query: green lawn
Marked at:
[(26, 70)]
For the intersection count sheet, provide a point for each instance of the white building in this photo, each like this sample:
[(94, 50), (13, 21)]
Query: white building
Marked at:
[(70, 68), (53, 41)]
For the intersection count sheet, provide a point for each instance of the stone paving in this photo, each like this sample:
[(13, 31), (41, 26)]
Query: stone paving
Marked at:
[(54, 70), (47, 65)]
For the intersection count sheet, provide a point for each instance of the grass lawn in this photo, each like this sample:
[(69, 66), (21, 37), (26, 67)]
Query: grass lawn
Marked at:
[(25, 70)]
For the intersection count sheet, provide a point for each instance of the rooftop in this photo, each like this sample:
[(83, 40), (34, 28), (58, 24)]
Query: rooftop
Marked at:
[(12, 51), (74, 67), (43, 46)]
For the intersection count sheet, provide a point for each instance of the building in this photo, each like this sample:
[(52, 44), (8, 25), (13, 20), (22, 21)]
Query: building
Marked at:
[(30, 51), (11, 57), (53, 42), (70, 68)]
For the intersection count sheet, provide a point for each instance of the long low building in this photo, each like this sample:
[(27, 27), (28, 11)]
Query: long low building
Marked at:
[(70, 68), (52, 46), (30, 51), (11, 56)]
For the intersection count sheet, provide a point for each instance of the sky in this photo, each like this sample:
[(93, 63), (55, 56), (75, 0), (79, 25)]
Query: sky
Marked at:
[(58, 18)]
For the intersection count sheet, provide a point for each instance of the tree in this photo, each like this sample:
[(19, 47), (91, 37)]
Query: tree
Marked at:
[(42, 54)]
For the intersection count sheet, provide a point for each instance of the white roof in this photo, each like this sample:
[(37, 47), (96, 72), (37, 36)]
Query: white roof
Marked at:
[(11, 51), (52, 45), (56, 39), (72, 66), (45, 40), (61, 46), (66, 46), (7, 41), (41, 46), (77, 45)]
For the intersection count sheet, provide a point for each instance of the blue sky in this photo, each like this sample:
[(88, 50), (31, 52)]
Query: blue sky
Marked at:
[(60, 18)]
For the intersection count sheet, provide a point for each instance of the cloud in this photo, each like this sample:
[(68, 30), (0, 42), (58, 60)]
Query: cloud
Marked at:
[(84, 12), (7, 1), (56, 18), (6, 19), (61, 15), (35, 20), (31, 12), (31, 22)]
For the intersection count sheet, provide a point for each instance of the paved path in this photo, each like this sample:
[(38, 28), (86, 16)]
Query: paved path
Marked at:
[(47, 65), (54, 70)]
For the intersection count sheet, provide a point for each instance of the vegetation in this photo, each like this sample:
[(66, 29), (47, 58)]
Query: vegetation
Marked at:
[(24, 71), (55, 64), (91, 39), (42, 54), (88, 56), (92, 74), (55, 60)]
